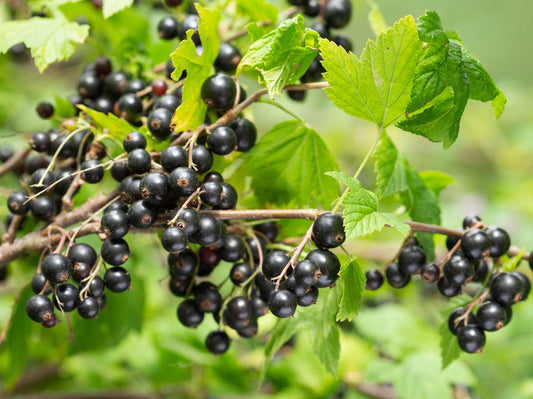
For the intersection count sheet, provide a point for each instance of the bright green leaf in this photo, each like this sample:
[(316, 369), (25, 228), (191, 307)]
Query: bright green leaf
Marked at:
[(298, 157), (436, 181), (191, 113), (377, 87), (50, 39), (111, 124), (257, 10), (63, 107), (376, 20), (449, 348), (111, 7), (351, 284), (389, 167)]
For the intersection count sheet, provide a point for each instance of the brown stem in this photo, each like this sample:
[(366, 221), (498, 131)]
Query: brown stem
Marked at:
[(259, 214), (67, 198), (11, 232), (13, 162)]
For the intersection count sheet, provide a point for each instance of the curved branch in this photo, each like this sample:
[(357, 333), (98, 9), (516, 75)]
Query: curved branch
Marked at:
[(13, 162)]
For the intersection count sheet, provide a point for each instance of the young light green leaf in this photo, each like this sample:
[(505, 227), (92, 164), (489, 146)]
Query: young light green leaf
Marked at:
[(111, 7), (436, 181), (376, 20), (258, 10), (351, 285), (449, 348), (111, 124), (63, 107), (376, 88), (281, 56), (389, 167), (298, 157), (191, 113), (50, 39), (511, 263), (361, 215)]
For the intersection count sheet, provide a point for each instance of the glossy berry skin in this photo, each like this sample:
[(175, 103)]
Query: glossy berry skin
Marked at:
[(448, 289), (174, 239), (168, 101), (188, 220), (16, 203), (154, 188), (328, 264), (209, 259), (104, 104), (96, 287), (306, 272), (411, 259), (246, 133), (233, 249), (63, 180), (190, 23), (141, 215), (115, 252), (525, 284), (470, 220), (139, 161), (475, 244), (222, 140), (118, 205), (40, 142), (167, 28), (229, 197), (312, 8), (269, 229), (183, 181), (239, 308), (309, 297), (45, 110), (95, 174), (80, 271), (458, 270), (159, 87), (482, 270), (491, 316), (134, 86), (82, 253), (219, 92), (189, 314), (202, 158), (115, 224), (282, 303), (228, 58), (207, 297), (159, 123), (212, 193), (133, 141), (178, 286), (89, 86), (454, 326), (129, 189), (38, 282), (115, 83), (129, 106), (89, 308), (217, 342), (68, 295), (120, 170), (274, 263), (174, 157), (40, 308), (5, 153), (337, 13), (328, 230), (117, 279), (500, 242), (42, 179), (506, 288), (183, 263), (430, 272), (297, 95), (208, 231), (374, 279), (56, 268), (240, 272), (471, 339), (42, 208), (103, 66), (395, 277), (291, 285)]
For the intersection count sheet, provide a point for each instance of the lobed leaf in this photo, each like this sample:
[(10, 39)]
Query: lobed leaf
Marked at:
[(351, 285)]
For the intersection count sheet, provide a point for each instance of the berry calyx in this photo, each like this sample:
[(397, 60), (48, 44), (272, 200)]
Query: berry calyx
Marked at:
[(328, 230)]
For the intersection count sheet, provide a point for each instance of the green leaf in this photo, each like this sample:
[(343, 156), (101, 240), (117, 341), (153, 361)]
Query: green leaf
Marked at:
[(361, 216), (499, 104), (436, 181), (191, 113), (390, 168), (114, 126), (18, 334), (257, 10), (111, 7), (63, 107), (351, 285), (376, 88), (298, 157), (376, 20), (511, 263), (281, 56), (449, 348), (50, 39)]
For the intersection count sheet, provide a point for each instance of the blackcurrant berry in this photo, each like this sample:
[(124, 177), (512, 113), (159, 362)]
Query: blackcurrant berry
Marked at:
[(447, 289), (80, 271), (183, 263), (228, 58), (92, 171), (328, 230), (34, 162), (129, 106), (174, 239), (311, 8), (63, 178), (189, 314), (117, 279), (188, 220), (306, 272), (411, 259), (159, 87), (179, 285), (167, 28), (103, 66), (525, 284), (328, 264), (159, 122), (233, 249), (183, 181), (256, 245), (82, 253), (202, 158), (208, 231), (297, 2), (120, 170), (374, 279), (293, 286), (500, 242), (458, 270), (115, 83), (134, 86), (96, 287), (173, 157), (207, 297), (454, 324), (115, 224), (430, 272), (66, 297), (321, 29), (229, 197), (139, 161), (240, 272), (212, 193), (118, 205), (274, 263), (42, 179), (471, 339), (337, 13), (222, 140), (45, 110), (209, 259), (396, 277), (482, 270), (89, 86), (475, 244), (297, 95), (16, 202), (269, 229), (133, 141), (37, 284), (259, 305), (88, 308), (141, 215), (6, 153), (309, 297), (115, 252), (56, 268), (190, 22), (265, 287), (217, 342), (40, 141), (506, 288), (219, 92), (104, 104), (282, 303), (491, 316), (246, 133), (155, 188), (470, 220), (43, 208), (239, 308), (169, 102), (40, 308)]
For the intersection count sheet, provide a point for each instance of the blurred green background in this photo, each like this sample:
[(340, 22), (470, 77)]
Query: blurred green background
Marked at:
[(137, 346)]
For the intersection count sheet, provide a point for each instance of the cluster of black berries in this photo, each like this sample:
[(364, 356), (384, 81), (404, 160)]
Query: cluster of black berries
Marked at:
[(331, 14), (474, 257)]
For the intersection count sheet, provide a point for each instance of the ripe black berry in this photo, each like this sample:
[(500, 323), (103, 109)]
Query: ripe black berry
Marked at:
[(120, 170), (491, 316), (189, 314), (168, 101), (306, 272), (217, 342), (174, 239), (328, 264), (396, 277), (297, 95), (506, 288), (255, 245), (178, 286), (525, 285), (189, 23), (129, 106), (282, 303), (16, 203), (139, 161), (269, 229), (89, 86), (104, 104), (208, 231), (448, 289), (233, 249), (239, 308), (475, 244), (321, 29), (222, 140), (96, 287), (43, 208), (471, 339), (115, 83), (115, 252), (167, 28), (246, 133), (89, 307), (159, 123), (117, 279), (154, 188), (40, 141), (45, 110), (228, 58), (56, 268), (183, 181), (207, 297), (40, 308), (312, 8), (134, 85), (470, 220), (82, 254), (102, 66), (209, 259), (173, 157), (458, 270), (328, 230), (430, 272), (240, 272), (42, 179), (115, 224), (183, 263), (93, 172), (141, 215), (500, 242), (309, 297), (482, 270), (188, 220), (212, 193), (63, 179), (454, 325), (202, 158), (37, 284), (411, 259), (219, 92), (66, 297), (374, 279), (274, 263), (6, 153), (133, 141), (337, 13)]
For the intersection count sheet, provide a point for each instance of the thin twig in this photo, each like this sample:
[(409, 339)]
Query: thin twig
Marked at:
[(13, 162)]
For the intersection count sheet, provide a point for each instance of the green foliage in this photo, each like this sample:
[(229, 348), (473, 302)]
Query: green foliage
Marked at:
[(361, 215), (281, 56), (111, 7), (257, 10), (191, 113), (63, 108), (351, 285), (50, 39), (376, 87), (298, 157)]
